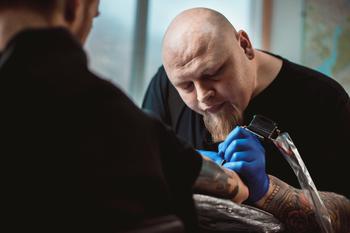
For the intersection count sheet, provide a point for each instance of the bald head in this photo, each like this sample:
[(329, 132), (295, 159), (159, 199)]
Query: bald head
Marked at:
[(212, 67), (192, 33)]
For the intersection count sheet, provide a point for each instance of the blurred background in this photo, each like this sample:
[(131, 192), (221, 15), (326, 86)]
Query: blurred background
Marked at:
[(125, 44)]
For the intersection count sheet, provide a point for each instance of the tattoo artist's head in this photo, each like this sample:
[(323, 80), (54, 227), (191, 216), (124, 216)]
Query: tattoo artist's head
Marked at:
[(212, 66), (75, 15)]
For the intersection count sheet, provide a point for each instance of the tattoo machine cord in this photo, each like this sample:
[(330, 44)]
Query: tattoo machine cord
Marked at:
[(266, 129)]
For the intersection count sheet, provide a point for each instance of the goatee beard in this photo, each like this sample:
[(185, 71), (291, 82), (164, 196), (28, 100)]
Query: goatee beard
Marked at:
[(220, 124)]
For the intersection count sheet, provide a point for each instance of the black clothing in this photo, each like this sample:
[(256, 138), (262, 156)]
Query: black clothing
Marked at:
[(311, 107), (75, 147)]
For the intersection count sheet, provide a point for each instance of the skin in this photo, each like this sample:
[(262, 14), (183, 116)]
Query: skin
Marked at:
[(220, 182), (210, 63), (86, 12), (75, 15), (292, 207)]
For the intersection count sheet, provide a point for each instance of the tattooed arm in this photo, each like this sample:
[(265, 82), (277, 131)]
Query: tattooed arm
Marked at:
[(220, 182), (292, 207)]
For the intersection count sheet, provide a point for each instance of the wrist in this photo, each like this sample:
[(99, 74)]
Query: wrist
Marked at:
[(239, 189), (265, 200), (261, 192)]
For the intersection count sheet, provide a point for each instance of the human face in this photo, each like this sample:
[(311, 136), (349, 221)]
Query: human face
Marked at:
[(216, 83)]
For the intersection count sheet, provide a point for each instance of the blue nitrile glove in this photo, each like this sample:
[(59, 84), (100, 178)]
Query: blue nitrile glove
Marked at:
[(211, 155), (245, 155)]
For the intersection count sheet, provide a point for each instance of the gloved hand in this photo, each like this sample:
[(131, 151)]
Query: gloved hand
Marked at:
[(245, 155), (214, 156)]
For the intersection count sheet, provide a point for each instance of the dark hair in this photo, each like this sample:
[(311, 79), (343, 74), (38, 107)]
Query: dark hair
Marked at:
[(41, 5)]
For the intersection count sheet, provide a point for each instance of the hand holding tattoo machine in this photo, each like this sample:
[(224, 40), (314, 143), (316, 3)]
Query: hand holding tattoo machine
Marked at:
[(265, 129)]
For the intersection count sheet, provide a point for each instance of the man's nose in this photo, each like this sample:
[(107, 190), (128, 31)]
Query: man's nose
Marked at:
[(203, 93)]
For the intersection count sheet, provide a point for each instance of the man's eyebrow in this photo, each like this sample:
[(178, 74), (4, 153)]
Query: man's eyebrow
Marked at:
[(180, 83), (215, 71), (219, 68)]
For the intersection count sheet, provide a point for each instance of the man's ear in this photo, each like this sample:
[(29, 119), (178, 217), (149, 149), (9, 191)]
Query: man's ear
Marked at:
[(70, 10), (245, 44)]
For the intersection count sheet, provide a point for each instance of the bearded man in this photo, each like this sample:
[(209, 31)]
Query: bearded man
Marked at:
[(214, 81)]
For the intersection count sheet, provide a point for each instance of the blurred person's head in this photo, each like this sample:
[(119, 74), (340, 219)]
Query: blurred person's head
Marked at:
[(75, 15), (212, 66)]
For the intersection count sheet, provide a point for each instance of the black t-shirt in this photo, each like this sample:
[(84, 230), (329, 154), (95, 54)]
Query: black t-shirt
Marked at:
[(75, 147), (311, 107)]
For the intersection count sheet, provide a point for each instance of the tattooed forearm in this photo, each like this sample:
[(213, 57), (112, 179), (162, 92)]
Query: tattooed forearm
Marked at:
[(292, 207), (216, 181)]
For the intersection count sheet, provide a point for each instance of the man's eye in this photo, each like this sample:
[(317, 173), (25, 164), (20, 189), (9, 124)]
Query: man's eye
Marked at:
[(188, 87), (214, 77)]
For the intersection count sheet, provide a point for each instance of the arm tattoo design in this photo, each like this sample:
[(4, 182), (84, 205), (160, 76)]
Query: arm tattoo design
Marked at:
[(215, 181), (292, 207)]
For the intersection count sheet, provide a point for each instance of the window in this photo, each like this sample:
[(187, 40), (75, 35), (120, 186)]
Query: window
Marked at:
[(125, 44), (109, 45)]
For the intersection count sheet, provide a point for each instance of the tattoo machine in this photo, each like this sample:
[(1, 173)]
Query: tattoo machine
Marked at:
[(266, 129)]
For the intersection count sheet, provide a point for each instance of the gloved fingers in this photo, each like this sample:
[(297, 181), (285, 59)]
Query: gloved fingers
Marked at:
[(242, 156), (203, 152), (211, 155), (237, 145), (246, 169), (253, 140), (236, 133), (239, 167), (260, 164)]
